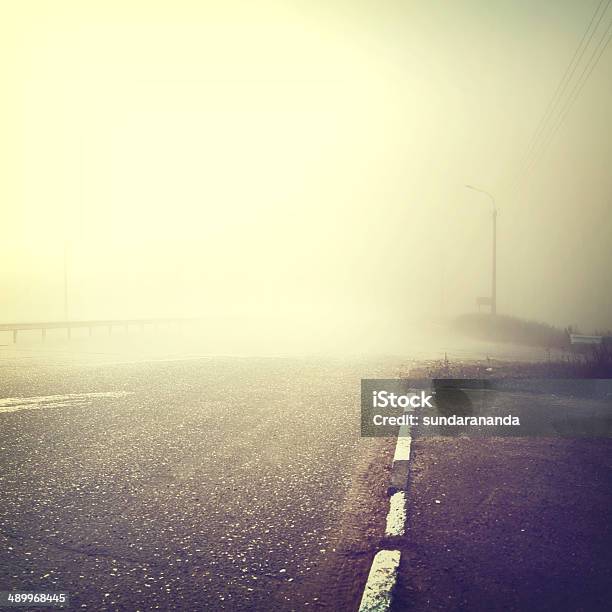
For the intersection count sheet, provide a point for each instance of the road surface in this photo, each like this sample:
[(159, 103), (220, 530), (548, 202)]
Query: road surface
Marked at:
[(200, 484), (228, 483), (508, 524)]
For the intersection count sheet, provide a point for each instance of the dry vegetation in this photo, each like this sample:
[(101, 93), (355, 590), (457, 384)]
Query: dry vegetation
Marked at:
[(504, 328), (588, 361)]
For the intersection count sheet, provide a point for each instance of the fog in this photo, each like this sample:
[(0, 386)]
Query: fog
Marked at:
[(302, 165)]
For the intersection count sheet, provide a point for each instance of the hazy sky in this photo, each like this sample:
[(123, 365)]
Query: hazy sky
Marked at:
[(301, 159)]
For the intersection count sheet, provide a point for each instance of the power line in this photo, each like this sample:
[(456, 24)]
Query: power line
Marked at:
[(566, 78), (599, 50), (539, 135)]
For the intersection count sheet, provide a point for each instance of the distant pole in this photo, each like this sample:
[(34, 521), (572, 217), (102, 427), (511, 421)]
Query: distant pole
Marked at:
[(443, 291), (494, 249), (66, 281), (494, 274)]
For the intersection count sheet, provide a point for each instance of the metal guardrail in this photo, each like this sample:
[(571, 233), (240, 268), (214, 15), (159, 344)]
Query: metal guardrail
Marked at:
[(43, 326)]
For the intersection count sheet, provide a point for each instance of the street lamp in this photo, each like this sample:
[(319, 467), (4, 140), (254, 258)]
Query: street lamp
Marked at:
[(494, 267)]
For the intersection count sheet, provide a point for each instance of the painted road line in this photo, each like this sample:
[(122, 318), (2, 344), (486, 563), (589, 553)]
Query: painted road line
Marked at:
[(401, 459), (378, 591), (396, 518), (382, 578), (15, 404), (402, 448)]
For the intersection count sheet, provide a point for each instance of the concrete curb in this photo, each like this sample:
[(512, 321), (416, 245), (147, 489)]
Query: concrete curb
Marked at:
[(396, 518), (401, 461), (378, 591)]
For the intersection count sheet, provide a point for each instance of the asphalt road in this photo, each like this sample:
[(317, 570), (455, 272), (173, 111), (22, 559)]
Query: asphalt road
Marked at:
[(508, 524), (204, 484), (243, 484)]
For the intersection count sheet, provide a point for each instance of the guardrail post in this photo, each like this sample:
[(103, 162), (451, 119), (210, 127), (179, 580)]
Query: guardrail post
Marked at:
[(43, 333), (14, 336)]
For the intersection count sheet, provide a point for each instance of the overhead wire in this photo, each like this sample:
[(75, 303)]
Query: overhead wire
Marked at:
[(546, 130)]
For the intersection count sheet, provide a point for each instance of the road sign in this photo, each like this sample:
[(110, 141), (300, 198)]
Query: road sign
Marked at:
[(483, 301)]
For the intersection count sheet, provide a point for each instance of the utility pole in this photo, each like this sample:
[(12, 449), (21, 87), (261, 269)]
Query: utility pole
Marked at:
[(66, 281), (494, 249), (494, 274)]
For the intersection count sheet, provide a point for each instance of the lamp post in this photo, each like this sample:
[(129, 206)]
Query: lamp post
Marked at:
[(494, 247)]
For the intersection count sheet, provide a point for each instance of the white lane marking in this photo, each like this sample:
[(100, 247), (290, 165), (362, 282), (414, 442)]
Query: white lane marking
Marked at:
[(396, 518), (381, 582), (14, 404), (402, 448)]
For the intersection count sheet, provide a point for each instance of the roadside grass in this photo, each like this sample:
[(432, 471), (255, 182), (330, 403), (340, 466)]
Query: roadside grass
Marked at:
[(595, 362), (505, 328), (586, 361)]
